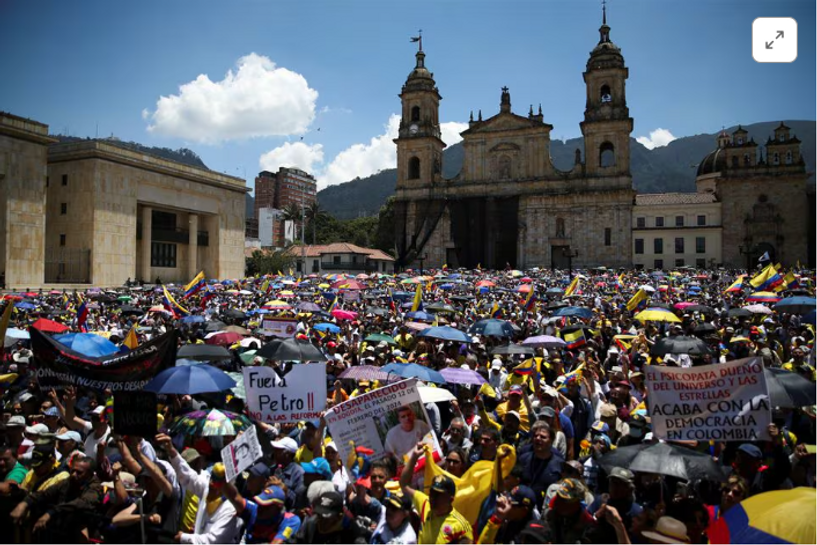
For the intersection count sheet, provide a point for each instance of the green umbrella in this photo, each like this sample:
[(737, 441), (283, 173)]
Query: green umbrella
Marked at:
[(379, 337), (124, 298), (248, 356)]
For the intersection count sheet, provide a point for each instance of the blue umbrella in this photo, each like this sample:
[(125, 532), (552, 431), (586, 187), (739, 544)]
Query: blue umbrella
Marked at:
[(421, 315), (193, 319), (792, 305), (413, 370), (580, 312), (190, 379), (88, 344), (454, 276), (446, 286), (25, 306), (492, 327), (554, 290), (446, 333), (327, 327)]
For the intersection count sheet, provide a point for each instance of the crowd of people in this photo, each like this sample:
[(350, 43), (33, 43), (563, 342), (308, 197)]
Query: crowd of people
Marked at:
[(555, 411)]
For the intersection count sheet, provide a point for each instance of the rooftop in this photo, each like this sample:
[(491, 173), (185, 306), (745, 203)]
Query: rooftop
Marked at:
[(657, 199)]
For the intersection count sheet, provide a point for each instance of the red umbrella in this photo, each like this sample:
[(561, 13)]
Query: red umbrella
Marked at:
[(344, 314), (526, 279), (224, 339), (49, 326), (485, 283), (525, 288), (348, 285)]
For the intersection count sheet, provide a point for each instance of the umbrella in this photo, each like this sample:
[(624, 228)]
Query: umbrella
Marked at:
[(544, 341), (25, 306), (647, 288), (128, 310), (809, 318), (223, 338), (680, 344), (513, 350), (758, 309), (379, 337), (190, 379), (88, 344), (446, 333), (580, 312), (796, 305), (326, 327), (421, 315), (49, 326), (485, 284), (779, 516), (377, 311), (368, 372), (458, 375), (788, 389), (237, 329), (344, 314), (414, 370), (763, 297), (442, 308), (238, 390), (704, 329), (703, 309), (235, 314), (210, 423), (216, 325), (291, 349), (492, 327), (13, 335), (738, 313), (664, 459), (308, 307), (429, 394), (204, 352), (656, 315)]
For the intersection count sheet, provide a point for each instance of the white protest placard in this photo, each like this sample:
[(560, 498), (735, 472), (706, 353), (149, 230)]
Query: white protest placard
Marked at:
[(390, 421), (723, 402), (280, 327), (298, 395), (241, 453)]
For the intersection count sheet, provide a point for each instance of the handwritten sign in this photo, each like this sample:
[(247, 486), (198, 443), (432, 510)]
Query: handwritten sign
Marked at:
[(241, 453), (298, 395), (723, 402), (134, 413)]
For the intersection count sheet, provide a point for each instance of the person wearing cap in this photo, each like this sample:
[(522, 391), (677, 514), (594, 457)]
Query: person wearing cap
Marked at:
[(68, 446), (761, 477), (440, 522), (667, 530), (620, 487), (548, 414), (97, 429), (497, 375), (550, 397), (215, 520), (287, 469), (15, 431), (566, 517), (265, 517), (516, 403), (45, 469), (328, 524), (395, 524), (400, 439), (316, 470), (514, 510), (255, 479)]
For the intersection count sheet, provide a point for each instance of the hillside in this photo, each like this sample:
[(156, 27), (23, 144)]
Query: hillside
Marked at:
[(181, 155), (666, 169)]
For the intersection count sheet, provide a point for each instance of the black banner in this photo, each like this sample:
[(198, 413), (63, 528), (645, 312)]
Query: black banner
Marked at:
[(135, 413), (56, 365)]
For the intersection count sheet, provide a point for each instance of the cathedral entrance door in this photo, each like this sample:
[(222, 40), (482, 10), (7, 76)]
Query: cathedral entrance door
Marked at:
[(557, 257)]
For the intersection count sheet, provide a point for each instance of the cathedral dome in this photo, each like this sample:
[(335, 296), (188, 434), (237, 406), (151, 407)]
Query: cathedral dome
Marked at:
[(714, 162), (420, 79)]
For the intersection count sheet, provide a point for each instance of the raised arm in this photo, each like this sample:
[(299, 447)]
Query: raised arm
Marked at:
[(408, 470), (150, 466)]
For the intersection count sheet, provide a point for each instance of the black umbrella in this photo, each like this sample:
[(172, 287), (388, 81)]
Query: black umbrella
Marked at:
[(491, 327), (203, 352), (664, 459), (703, 309), (462, 298), (214, 326), (739, 313), (513, 350), (659, 304), (377, 311), (128, 310), (291, 349), (680, 344), (705, 329), (788, 389), (557, 305), (235, 314)]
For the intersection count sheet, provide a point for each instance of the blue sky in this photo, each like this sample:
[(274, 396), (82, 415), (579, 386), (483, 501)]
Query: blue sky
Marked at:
[(300, 66)]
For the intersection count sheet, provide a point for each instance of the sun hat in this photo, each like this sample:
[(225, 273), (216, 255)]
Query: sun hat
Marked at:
[(668, 530)]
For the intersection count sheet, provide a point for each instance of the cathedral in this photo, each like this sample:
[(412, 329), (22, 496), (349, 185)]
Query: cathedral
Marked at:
[(510, 206)]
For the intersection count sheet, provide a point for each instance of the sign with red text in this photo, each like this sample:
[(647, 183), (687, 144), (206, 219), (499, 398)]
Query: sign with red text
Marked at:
[(300, 394), (280, 327), (390, 421), (723, 402)]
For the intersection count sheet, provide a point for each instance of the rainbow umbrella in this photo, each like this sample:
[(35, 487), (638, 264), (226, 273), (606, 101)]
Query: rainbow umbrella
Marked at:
[(763, 297), (780, 516), (210, 423)]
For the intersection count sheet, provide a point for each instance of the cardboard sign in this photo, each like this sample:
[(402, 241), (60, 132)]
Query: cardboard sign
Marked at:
[(350, 296), (390, 421), (280, 327), (298, 395), (134, 413), (723, 402), (241, 453)]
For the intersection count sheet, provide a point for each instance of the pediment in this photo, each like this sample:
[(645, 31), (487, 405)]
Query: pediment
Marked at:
[(505, 146), (504, 122)]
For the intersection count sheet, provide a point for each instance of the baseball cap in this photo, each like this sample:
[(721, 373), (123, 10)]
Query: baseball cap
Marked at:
[(218, 474), (523, 496), (623, 474), (70, 436), (318, 466), (546, 412), (189, 455), (259, 470), (51, 411), (128, 480), (399, 501), (607, 410), (535, 531), (638, 425), (575, 465), (570, 489), (287, 443), (331, 344), (16, 421), (751, 450), (516, 389), (515, 414), (329, 504), (496, 364), (41, 454), (270, 495), (601, 427), (37, 429), (444, 484)]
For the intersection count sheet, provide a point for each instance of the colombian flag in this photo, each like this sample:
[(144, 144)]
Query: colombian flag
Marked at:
[(766, 279), (638, 301), (170, 304), (575, 339), (131, 341), (526, 368), (82, 316), (334, 304), (496, 312), (530, 301), (417, 304), (571, 289), (195, 285), (737, 285)]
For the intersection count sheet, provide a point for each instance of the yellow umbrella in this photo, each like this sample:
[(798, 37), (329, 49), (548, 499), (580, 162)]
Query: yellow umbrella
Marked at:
[(657, 315), (323, 286)]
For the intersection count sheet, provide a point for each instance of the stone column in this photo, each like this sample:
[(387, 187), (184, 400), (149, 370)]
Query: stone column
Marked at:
[(147, 231), (490, 236), (193, 246)]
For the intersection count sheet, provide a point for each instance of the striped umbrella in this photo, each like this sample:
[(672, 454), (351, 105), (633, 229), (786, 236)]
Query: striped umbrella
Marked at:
[(763, 297), (370, 373), (780, 516)]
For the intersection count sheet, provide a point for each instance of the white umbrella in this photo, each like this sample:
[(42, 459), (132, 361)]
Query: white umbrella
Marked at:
[(758, 309), (249, 341), (434, 395), (647, 287), (13, 335), (245, 292)]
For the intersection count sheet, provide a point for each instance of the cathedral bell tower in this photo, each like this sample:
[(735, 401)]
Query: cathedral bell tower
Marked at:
[(607, 123), (419, 146)]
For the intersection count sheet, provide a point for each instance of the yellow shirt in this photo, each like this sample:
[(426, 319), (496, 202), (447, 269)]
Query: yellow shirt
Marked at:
[(304, 455), (32, 483), (449, 529), (524, 423)]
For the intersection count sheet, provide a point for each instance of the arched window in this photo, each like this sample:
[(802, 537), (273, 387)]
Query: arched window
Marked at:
[(560, 227), (746, 161), (415, 113), (605, 93), (788, 158), (607, 155), (414, 168), (504, 167), (776, 158)]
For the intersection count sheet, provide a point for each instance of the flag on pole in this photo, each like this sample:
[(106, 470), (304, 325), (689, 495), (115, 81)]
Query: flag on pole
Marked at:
[(638, 301), (265, 286), (766, 279), (195, 285), (130, 340), (737, 285), (496, 312), (82, 316), (334, 304), (574, 285), (417, 304), (172, 305), (530, 301)]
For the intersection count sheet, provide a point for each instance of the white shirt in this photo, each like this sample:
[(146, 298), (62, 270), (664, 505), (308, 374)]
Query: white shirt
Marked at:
[(400, 442)]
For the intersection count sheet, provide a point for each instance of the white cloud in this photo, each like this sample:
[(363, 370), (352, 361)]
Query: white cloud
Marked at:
[(451, 132), (299, 155), (258, 99), (658, 138)]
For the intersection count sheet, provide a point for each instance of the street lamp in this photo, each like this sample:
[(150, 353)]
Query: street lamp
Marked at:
[(569, 254)]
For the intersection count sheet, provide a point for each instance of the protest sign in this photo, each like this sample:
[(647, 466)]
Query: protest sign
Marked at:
[(56, 365), (280, 327), (134, 413), (241, 453), (350, 296), (298, 395), (389, 420), (723, 402)]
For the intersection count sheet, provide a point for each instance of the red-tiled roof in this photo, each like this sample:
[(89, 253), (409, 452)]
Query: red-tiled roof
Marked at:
[(652, 199), (340, 248)]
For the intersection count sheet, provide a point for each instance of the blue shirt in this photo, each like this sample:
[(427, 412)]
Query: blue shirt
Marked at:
[(283, 527)]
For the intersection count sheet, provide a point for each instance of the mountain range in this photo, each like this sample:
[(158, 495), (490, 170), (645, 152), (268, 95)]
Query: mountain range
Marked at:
[(665, 169)]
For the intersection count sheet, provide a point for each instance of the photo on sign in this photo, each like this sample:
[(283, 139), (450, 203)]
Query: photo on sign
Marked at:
[(400, 430)]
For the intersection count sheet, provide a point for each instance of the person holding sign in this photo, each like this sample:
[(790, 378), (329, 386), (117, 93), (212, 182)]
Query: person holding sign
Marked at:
[(400, 439)]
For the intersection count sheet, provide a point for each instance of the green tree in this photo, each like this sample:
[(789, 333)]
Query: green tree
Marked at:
[(384, 232), (313, 213), (269, 261)]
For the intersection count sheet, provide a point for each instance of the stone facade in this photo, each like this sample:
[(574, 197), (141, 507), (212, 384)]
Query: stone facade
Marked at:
[(23, 149), (509, 205)]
